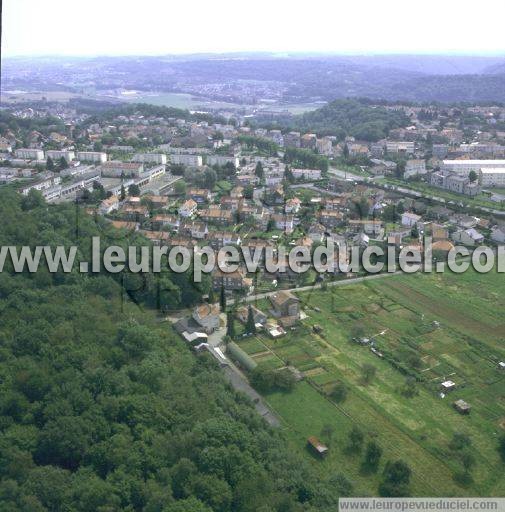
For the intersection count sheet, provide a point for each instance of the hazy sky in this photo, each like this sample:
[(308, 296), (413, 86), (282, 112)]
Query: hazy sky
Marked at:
[(112, 27)]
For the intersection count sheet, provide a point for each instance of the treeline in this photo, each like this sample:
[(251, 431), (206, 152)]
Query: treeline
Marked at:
[(146, 109), (22, 126), (356, 118), (251, 142), (305, 158), (68, 225), (102, 408)]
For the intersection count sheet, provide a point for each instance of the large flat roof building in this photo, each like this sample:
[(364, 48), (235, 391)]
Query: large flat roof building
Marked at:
[(464, 167), (492, 177)]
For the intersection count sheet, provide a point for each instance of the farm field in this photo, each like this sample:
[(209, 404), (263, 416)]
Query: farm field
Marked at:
[(428, 328)]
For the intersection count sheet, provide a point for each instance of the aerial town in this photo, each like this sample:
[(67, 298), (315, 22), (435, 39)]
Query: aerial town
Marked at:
[(365, 381)]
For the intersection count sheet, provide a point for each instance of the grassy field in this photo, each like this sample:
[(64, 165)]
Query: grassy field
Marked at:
[(435, 327)]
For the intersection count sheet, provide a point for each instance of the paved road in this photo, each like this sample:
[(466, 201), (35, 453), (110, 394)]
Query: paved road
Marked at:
[(345, 175), (232, 374), (318, 286)]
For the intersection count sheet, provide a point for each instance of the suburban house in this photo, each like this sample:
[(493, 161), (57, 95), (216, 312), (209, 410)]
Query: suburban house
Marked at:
[(135, 213), (498, 234), (258, 315), (283, 222), (414, 167), (188, 208), (207, 316), (156, 237), (219, 239), (108, 205), (464, 221), (217, 216), (330, 218), (292, 205), (410, 219), (123, 224), (370, 227), (194, 229), (230, 280), (163, 220), (285, 304), (316, 232), (468, 236), (158, 202), (199, 195)]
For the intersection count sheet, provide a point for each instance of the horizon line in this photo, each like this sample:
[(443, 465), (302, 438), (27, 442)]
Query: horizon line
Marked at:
[(273, 53)]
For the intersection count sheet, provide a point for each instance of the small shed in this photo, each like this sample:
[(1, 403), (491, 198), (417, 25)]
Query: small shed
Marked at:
[(462, 407), (316, 446), (448, 385), (501, 365)]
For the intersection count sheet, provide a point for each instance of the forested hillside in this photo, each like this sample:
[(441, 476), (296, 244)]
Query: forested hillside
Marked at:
[(359, 118), (102, 408), (353, 117)]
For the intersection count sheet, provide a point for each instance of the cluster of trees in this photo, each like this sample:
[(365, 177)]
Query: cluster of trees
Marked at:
[(102, 408), (60, 166), (266, 379), (22, 127), (264, 145), (305, 158), (352, 117)]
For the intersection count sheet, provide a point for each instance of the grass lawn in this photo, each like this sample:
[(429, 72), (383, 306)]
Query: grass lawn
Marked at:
[(435, 327)]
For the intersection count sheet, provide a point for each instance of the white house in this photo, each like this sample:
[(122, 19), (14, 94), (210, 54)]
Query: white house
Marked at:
[(109, 205), (410, 219), (283, 222)]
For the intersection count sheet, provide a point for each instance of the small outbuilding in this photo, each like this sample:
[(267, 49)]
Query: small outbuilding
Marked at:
[(448, 385), (462, 407), (316, 446)]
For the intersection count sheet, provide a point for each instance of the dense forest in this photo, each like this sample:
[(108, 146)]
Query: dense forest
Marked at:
[(352, 117), (359, 118), (103, 408)]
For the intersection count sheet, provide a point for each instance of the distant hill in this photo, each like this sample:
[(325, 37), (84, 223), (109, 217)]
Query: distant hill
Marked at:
[(245, 78)]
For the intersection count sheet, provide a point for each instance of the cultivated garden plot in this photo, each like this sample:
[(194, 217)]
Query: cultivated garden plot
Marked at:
[(390, 345)]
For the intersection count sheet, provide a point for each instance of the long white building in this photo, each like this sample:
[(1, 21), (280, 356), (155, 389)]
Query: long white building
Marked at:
[(189, 160), (30, 154), (92, 156), (57, 154), (493, 177), (150, 158), (464, 167), (222, 160)]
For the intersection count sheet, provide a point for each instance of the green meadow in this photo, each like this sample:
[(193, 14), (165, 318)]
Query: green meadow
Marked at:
[(428, 329)]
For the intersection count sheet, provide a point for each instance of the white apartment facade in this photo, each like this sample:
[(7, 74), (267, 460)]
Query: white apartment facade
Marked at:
[(222, 160), (464, 167), (29, 154), (493, 177), (150, 158), (188, 160), (55, 154), (92, 156)]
